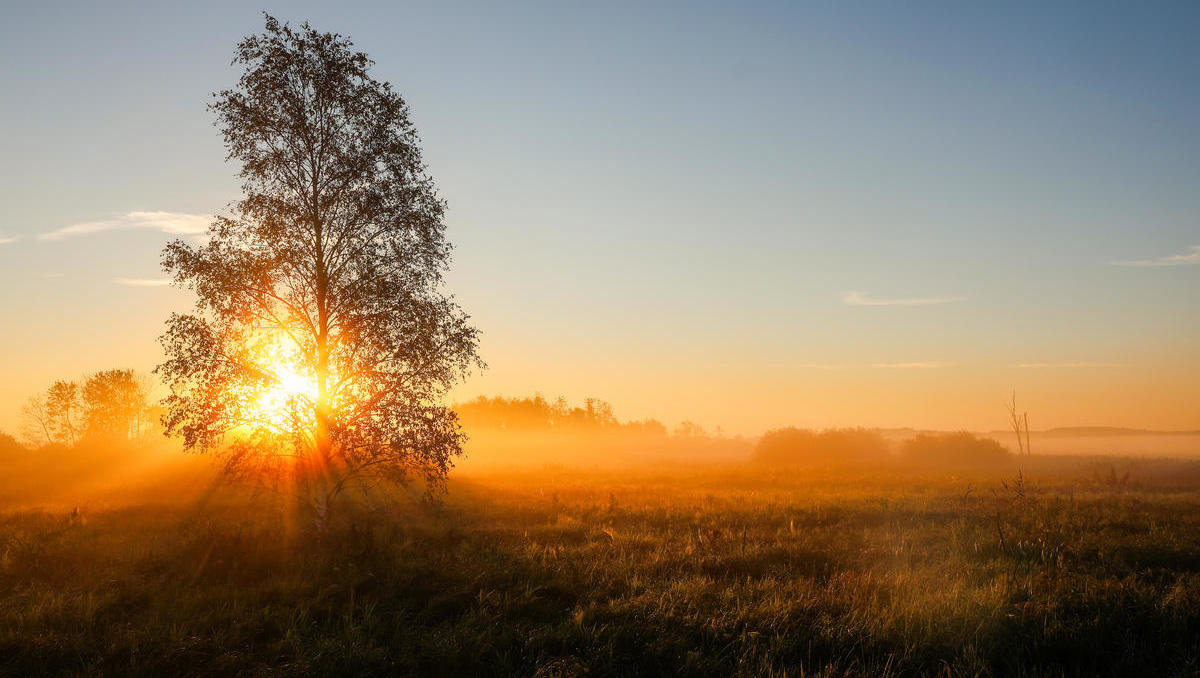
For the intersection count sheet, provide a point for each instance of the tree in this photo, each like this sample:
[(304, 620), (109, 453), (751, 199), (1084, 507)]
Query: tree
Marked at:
[(961, 449), (115, 404), (35, 420), (62, 409), (793, 446), (321, 328), (10, 447), (110, 403), (1020, 426)]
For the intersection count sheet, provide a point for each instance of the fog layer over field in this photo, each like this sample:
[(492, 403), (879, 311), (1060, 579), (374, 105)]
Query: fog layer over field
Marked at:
[(539, 435)]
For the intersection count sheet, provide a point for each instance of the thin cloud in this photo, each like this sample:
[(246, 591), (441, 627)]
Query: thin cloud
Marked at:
[(886, 366), (858, 299), (143, 282), (1085, 363), (5, 241), (175, 223), (1190, 258)]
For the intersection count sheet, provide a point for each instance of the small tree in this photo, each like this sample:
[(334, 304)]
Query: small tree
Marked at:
[(35, 420), (793, 446), (62, 408), (115, 404), (960, 449), (321, 330), (1020, 426), (110, 403)]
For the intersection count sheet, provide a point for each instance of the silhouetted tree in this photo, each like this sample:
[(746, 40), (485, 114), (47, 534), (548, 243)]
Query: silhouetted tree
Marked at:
[(110, 403), (35, 420), (954, 449), (1020, 426), (9, 447), (689, 429), (62, 409), (793, 446), (332, 261), (115, 404)]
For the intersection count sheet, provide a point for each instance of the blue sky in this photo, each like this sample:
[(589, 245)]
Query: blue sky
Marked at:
[(680, 207)]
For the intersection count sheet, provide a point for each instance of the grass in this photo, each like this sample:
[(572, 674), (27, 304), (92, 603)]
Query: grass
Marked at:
[(724, 571)]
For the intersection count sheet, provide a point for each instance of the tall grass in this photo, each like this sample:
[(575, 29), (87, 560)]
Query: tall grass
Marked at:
[(704, 572)]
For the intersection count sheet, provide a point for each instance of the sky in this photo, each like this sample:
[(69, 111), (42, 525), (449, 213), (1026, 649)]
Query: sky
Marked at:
[(747, 215)]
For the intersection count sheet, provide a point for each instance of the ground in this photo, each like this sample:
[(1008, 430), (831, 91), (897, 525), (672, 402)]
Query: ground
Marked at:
[(1066, 569)]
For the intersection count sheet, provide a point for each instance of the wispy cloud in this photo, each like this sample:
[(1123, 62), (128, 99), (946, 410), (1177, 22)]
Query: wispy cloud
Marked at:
[(5, 241), (1188, 258), (858, 299), (142, 282), (1085, 363), (176, 223), (875, 366)]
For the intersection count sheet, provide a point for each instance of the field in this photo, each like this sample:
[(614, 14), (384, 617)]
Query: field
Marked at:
[(1063, 567)]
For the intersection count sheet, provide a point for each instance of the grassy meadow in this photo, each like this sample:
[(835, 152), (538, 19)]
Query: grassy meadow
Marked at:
[(1054, 566)]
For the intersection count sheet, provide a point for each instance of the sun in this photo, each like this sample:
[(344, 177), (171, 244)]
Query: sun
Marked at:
[(289, 395), (293, 384)]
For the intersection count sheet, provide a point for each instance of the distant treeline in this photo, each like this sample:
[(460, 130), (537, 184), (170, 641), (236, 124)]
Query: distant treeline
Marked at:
[(536, 413), (854, 446), (115, 405), (519, 431)]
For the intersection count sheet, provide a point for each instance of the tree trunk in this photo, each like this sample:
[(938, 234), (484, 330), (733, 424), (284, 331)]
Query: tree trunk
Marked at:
[(322, 439), (324, 443)]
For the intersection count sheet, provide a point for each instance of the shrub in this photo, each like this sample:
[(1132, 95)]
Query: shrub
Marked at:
[(793, 446), (9, 447), (954, 449)]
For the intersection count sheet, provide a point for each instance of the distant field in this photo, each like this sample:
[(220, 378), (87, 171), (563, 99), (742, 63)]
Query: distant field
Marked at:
[(1094, 441), (1073, 569), (1111, 442)]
